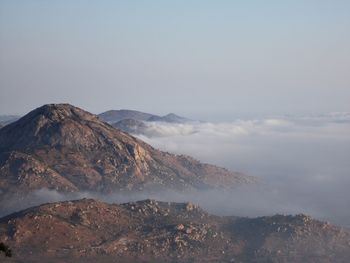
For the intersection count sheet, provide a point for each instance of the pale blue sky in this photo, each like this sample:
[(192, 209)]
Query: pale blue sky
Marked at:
[(197, 58)]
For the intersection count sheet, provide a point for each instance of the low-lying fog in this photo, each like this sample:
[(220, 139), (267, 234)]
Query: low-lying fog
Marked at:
[(303, 163)]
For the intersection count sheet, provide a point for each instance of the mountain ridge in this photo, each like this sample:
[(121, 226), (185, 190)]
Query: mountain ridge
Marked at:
[(62, 147), (149, 231), (118, 115), (114, 116)]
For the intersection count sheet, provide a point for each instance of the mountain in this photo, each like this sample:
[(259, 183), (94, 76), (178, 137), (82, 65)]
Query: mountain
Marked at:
[(114, 116), (149, 231), (171, 117), (135, 122), (130, 126), (61, 147)]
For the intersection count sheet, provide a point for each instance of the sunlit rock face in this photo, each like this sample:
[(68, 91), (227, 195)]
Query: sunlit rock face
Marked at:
[(61, 147), (152, 231)]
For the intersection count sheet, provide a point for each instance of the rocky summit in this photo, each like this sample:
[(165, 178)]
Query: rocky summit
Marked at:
[(151, 231), (62, 147)]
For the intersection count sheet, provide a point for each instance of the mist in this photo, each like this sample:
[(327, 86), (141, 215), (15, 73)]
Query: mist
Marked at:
[(302, 163)]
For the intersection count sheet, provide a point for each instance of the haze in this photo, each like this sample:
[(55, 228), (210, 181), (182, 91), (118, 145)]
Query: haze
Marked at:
[(302, 163), (203, 59), (216, 61)]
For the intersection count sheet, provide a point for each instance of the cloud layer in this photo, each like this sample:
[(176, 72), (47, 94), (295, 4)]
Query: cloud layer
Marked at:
[(302, 160), (303, 163)]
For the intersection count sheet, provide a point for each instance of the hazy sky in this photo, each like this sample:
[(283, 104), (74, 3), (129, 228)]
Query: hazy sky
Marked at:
[(196, 58)]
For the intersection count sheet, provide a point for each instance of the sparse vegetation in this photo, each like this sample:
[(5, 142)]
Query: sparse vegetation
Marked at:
[(151, 231), (5, 249)]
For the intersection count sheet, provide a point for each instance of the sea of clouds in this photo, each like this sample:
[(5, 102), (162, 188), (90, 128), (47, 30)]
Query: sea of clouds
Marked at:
[(303, 162)]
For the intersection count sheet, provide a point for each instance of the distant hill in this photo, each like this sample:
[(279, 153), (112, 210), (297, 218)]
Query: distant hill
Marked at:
[(61, 147), (171, 117), (7, 119), (130, 126), (149, 231), (135, 122), (114, 116)]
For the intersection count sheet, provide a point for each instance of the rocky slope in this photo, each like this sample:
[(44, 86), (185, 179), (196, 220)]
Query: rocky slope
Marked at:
[(151, 231), (62, 147)]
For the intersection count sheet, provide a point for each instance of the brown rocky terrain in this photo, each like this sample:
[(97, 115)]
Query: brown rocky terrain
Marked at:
[(65, 148), (151, 231)]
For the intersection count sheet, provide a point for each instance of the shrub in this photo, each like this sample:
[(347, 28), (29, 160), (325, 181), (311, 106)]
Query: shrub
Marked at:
[(7, 251)]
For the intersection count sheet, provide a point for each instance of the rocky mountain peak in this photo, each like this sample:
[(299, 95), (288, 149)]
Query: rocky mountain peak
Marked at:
[(50, 125), (59, 146), (57, 113)]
